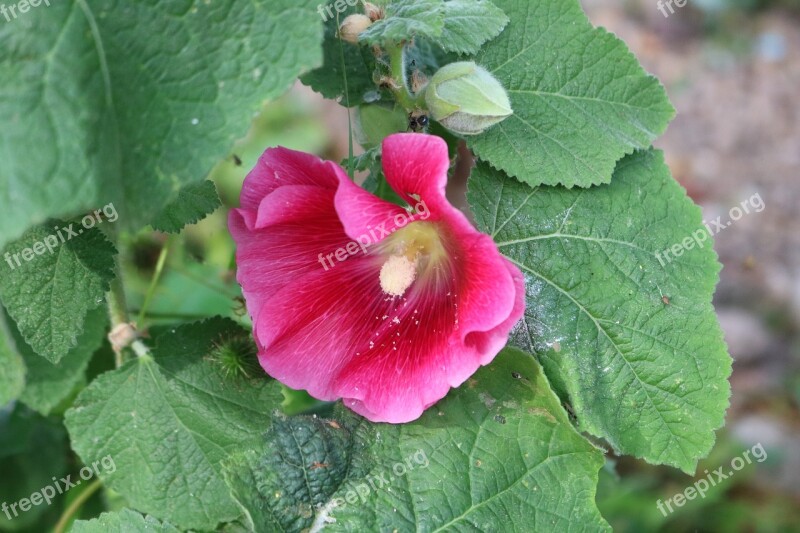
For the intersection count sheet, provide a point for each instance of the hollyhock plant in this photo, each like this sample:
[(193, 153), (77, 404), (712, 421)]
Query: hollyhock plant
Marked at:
[(380, 299), (356, 298)]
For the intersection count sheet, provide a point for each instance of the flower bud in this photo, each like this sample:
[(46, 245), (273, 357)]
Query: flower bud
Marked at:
[(374, 12), (352, 26), (466, 98)]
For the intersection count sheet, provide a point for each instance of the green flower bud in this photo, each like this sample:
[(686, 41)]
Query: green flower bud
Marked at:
[(466, 99)]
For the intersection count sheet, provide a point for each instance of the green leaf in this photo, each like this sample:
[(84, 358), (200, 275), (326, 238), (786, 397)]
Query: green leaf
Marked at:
[(124, 521), (359, 65), (374, 122), (49, 294), (300, 465), (498, 450), (128, 112), (194, 202), (168, 420), (470, 23), (49, 384), (33, 450), (406, 19), (12, 369), (580, 99), (632, 343)]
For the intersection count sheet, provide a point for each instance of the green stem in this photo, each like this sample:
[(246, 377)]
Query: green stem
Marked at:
[(350, 171), (199, 280), (155, 315), (397, 63), (162, 259), (117, 306), (76, 504)]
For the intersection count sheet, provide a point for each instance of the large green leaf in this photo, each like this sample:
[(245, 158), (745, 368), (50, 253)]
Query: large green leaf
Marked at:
[(406, 19), (499, 453), (470, 23), (194, 202), (48, 384), (168, 420), (124, 521), (581, 101), (49, 286), (128, 100), (632, 343)]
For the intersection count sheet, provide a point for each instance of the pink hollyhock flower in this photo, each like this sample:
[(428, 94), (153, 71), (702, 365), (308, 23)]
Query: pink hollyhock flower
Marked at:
[(356, 298)]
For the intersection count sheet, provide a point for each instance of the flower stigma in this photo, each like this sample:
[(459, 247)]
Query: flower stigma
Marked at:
[(410, 253)]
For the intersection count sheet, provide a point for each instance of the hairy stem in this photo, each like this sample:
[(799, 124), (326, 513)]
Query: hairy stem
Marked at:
[(117, 307), (397, 63)]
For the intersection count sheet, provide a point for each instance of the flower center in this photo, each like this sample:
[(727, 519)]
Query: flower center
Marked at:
[(411, 251), (397, 275)]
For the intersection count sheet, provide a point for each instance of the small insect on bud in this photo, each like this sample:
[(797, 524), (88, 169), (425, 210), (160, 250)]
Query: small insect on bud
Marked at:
[(466, 98), (374, 12), (352, 26)]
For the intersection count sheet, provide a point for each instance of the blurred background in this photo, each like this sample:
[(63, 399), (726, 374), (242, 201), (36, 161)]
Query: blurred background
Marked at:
[(732, 70)]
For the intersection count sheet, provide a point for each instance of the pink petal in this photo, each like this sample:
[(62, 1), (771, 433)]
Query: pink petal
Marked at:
[(417, 164), (365, 216), (280, 166)]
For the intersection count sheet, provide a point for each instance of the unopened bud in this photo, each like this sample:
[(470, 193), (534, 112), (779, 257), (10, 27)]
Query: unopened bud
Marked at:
[(466, 98), (352, 26)]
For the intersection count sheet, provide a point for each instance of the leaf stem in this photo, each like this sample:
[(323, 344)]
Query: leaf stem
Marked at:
[(350, 171), (162, 259), (118, 311), (171, 316), (76, 504)]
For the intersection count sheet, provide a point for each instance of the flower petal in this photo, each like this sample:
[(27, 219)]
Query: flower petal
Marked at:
[(280, 166), (365, 216), (414, 163)]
